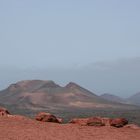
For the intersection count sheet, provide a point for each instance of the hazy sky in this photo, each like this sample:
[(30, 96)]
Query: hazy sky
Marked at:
[(93, 42)]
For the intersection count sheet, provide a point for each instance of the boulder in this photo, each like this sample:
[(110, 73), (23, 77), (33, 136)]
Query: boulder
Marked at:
[(100, 121), (79, 121), (95, 121), (4, 111), (47, 117), (118, 122)]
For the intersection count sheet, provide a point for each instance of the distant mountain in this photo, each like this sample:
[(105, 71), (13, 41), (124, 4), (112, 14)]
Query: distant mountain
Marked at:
[(135, 99), (47, 95), (113, 98)]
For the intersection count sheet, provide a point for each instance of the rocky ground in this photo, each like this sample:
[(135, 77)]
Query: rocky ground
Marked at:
[(20, 128), (46, 126)]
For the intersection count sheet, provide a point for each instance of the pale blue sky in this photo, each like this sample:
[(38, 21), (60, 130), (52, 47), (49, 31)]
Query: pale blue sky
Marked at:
[(48, 34)]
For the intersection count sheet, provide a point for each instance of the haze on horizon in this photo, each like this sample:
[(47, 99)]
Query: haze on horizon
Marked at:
[(93, 43)]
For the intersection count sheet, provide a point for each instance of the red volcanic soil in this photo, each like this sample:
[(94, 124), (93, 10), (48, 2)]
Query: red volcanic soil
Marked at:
[(20, 128)]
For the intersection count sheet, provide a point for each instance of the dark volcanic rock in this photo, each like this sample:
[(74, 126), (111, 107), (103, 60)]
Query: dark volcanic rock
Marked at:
[(100, 121), (95, 121), (4, 111), (118, 122), (47, 117), (80, 121)]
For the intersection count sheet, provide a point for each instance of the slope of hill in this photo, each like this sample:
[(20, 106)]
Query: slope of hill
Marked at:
[(135, 99), (38, 94), (113, 98)]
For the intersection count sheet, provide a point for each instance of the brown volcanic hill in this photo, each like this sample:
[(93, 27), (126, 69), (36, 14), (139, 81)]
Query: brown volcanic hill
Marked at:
[(38, 94)]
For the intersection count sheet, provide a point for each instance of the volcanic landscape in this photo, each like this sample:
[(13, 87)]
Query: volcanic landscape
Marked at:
[(43, 110)]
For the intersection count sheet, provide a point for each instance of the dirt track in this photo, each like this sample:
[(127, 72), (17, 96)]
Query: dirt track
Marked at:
[(25, 129)]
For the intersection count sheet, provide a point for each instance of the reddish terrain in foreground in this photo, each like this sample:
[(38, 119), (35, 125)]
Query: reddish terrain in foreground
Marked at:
[(20, 128)]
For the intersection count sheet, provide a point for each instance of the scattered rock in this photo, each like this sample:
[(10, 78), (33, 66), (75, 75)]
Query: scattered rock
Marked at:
[(47, 117), (100, 121), (93, 121), (119, 122), (4, 111)]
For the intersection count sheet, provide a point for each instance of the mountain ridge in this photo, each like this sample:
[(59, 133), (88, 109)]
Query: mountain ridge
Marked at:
[(47, 94)]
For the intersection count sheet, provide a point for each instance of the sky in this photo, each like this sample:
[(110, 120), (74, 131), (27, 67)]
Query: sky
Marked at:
[(92, 42)]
